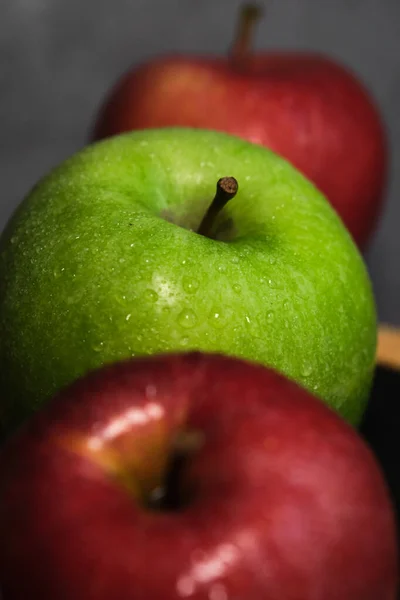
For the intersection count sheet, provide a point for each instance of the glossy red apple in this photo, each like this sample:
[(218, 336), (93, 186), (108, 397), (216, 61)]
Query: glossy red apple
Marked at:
[(304, 106), (192, 476)]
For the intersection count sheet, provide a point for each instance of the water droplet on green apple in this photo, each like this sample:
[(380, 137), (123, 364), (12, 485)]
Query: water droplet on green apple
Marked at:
[(237, 288), (235, 260), (286, 304), (187, 318), (98, 347), (270, 316), (128, 316), (222, 268), (306, 370), (184, 341), (216, 320), (121, 260), (272, 260), (151, 296), (189, 284), (247, 319)]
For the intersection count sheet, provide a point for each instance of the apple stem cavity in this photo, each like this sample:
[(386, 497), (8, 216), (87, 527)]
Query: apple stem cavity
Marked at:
[(227, 188), (249, 15), (172, 495)]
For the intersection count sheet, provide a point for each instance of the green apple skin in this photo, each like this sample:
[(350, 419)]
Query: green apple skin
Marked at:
[(101, 262)]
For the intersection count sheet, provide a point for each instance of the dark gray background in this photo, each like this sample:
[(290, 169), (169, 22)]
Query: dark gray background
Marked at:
[(59, 57)]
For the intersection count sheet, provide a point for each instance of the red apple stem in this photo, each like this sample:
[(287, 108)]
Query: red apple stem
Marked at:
[(227, 188), (187, 442), (173, 494), (249, 15)]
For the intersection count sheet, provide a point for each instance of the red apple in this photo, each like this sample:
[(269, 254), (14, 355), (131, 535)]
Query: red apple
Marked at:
[(304, 106), (192, 476)]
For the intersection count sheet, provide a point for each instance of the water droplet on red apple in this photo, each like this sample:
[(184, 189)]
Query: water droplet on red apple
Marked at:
[(218, 592), (185, 586), (151, 392), (187, 318)]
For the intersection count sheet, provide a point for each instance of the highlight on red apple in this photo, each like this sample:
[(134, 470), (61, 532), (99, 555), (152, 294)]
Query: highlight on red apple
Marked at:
[(192, 476)]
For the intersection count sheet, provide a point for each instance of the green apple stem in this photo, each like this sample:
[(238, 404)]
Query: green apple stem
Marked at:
[(249, 15), (227, 188)]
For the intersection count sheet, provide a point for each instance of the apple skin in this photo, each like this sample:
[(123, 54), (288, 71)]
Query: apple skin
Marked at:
[(304, 106), (94, 268), (287, 502)]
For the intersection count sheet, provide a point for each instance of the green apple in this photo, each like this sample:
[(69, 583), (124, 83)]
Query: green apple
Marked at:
[(103, 261)]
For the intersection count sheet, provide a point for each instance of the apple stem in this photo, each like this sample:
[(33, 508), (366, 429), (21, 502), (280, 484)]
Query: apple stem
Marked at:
[(172, 495), (227, 188), (249, 15), (187, 442)]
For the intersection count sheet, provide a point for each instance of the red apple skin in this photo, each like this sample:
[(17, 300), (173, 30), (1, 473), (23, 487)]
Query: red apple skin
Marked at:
[(304, 106), (288, 502)]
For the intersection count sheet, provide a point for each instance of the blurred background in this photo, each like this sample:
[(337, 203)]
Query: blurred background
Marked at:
[(58, 59)]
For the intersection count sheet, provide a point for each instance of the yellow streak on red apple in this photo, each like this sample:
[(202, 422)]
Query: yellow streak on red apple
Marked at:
[(131, 448)]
